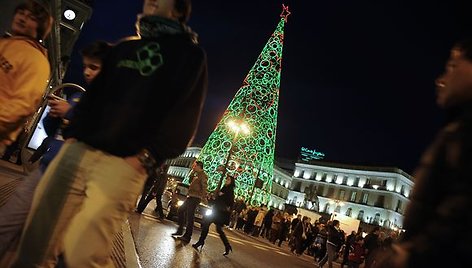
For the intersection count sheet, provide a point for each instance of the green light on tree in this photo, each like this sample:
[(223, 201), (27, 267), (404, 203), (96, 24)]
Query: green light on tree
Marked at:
[(243, 142)]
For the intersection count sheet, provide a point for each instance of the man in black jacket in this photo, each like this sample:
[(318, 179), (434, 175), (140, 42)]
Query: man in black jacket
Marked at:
[(93, 183), (333, 244)]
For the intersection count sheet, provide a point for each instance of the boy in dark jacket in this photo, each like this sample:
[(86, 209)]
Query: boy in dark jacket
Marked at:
[(117, 128)]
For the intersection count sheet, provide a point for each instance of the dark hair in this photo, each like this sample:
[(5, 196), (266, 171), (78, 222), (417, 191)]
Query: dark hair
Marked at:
[(184, 7), (199, 163), (233, 180), (97, 50), (42, 15), (335, 222), (465, 46)]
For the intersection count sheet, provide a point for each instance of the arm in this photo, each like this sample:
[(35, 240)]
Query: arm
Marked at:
[(59, 111), (29, 85)]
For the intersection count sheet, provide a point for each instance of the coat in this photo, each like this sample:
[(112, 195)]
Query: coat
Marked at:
[(223, 204)]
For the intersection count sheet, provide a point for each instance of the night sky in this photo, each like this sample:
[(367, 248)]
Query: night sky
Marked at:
[(357, 76)]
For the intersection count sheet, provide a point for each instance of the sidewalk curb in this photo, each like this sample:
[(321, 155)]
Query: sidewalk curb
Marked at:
[(131, 255)]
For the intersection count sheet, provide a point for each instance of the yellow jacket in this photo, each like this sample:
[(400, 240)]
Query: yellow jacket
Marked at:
[(24, 74)]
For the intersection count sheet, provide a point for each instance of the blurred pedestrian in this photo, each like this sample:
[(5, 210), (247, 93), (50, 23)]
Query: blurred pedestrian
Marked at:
[(92, 185), (197, 193), (372, 246), (14, 212), (333, 244), (220, 216), (259, 220), (267, 223), (356, 252), (155, 192), (300, 235), (24, 68), (437, 220), (347, 247)]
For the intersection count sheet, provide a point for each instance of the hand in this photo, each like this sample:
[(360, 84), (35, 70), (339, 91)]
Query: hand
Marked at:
[(59, 108)]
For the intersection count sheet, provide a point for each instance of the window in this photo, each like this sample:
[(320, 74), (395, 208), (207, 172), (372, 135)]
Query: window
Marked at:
[(365, 198), (330, 192), (342, 193), (313, 176), (349, 212), (356, 181), (360, 216), (337, 209), (399, 206), (376, 219), (380, 201), (353, 197), (320, 190), (297, 186), (326, 209), (323, 178), (402, 190), (345, 180)]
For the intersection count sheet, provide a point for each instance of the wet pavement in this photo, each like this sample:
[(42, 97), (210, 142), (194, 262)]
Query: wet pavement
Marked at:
[(157, 248), (146, 242), (123, 251)]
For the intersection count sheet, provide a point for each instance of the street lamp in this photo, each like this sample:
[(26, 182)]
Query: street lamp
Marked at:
[(337, 203), (237, 126)]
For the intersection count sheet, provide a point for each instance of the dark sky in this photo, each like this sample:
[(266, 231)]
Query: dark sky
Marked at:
[(357, 76)]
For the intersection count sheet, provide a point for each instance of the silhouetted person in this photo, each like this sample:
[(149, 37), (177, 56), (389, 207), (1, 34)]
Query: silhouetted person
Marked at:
[(220, 216), (155, 192), (437, 220)]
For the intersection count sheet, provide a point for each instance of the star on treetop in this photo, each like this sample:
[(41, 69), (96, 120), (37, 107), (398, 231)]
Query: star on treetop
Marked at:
[(285, 12)]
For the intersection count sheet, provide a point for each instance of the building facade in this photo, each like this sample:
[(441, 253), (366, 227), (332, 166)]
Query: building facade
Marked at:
[(180, 166), (373, 195)]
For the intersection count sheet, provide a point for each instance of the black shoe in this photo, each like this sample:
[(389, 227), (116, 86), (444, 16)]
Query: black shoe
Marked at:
[(184, 239), (197, 245), (228, 249), (178, 233)]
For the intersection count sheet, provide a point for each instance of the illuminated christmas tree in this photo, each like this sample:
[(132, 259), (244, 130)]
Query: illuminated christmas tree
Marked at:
[(243, 142)]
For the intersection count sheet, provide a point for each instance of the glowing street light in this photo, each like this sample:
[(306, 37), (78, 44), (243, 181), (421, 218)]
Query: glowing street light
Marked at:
[(337, 203), (237, 126)]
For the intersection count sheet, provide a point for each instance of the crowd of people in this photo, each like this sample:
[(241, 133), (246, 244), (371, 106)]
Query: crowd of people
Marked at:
[(105, 150), (325, 242)]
